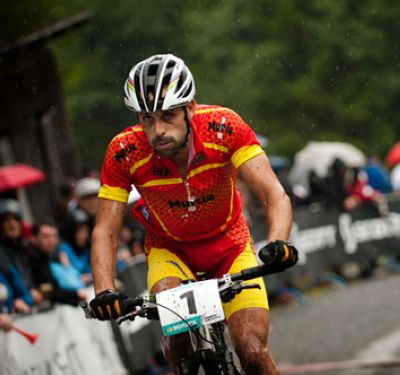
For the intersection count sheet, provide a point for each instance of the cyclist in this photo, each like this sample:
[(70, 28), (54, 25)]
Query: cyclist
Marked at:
[(183, 159)]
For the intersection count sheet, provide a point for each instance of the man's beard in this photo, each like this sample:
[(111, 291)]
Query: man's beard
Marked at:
[(170, 151)]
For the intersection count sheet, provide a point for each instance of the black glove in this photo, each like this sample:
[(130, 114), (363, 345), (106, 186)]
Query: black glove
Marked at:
[(279, 255), (108, 305)]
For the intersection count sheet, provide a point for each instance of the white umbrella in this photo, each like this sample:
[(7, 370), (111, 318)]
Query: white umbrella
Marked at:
[(319, 156)]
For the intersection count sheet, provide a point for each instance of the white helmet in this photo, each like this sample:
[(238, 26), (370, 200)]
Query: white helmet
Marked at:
[(159, 82)]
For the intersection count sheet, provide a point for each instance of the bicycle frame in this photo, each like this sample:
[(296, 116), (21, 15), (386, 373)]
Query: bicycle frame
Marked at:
[(210, 352)]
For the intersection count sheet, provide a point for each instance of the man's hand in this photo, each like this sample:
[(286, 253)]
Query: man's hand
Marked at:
[(279, 255), (5, 322), (36, 296), (20, 306), (108, 305)]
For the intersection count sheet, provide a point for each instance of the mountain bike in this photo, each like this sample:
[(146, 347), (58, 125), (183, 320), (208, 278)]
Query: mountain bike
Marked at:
[(196, 307)]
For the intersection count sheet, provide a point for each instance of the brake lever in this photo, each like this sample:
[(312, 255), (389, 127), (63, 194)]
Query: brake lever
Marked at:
[(131, 316), (251, 286)]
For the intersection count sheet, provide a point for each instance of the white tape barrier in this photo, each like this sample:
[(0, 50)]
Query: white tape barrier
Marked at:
[(67, 343)]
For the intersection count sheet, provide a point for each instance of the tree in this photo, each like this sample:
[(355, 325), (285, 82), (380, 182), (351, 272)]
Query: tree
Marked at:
[(318, 70), (296, 71)]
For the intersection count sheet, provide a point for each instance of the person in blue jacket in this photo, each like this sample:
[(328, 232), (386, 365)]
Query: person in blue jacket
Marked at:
[(18, 296), (378, 176)]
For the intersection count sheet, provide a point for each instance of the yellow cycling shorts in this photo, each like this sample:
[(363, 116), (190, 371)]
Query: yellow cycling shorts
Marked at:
[(163, 263)]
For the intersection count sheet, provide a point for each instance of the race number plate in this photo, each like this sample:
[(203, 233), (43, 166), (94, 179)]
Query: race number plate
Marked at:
[(195, 303)]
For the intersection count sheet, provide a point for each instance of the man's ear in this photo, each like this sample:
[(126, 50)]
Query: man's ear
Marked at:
[(191, 108)]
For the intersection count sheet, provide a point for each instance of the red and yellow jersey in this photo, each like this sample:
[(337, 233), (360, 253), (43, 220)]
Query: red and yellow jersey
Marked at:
[(202, 205)]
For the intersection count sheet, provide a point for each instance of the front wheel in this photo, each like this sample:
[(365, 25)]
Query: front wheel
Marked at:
[(223, 365), (211, 362)]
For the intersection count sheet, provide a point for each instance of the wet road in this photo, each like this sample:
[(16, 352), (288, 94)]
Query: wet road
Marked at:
[(358, 322)]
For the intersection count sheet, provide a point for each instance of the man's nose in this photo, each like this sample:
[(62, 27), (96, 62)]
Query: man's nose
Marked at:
[(159, 127)]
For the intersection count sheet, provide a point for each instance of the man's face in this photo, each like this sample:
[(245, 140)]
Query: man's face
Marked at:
[(165, 130), (11, 226), (47, 239)]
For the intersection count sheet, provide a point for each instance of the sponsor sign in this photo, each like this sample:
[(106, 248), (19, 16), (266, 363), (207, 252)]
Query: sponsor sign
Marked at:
[(67, 343)]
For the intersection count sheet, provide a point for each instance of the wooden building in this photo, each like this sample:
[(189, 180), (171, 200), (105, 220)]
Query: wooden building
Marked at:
[(33, 126)]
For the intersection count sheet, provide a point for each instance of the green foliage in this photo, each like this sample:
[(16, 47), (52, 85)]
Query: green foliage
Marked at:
[(295, 70), (318, 70), (101, 57)]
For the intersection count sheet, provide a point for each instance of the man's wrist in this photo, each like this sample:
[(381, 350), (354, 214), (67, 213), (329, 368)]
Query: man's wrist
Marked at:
[(97, 291)]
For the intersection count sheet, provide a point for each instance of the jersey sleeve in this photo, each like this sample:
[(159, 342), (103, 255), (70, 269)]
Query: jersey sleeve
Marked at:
[(243, 144), (115, 176)]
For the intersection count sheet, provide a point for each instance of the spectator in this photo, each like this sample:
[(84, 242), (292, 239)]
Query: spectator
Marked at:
[(46, 268), (13, 246), (67, 199), (378, 177), (5, 322), (330, 189), (5, 319), (395, 177), (78, 224), (17, 296), (86, 190), (131, 238), (345, 188), (6, 293), (82, 210), (125, 238), (359, 192), (76, 242)]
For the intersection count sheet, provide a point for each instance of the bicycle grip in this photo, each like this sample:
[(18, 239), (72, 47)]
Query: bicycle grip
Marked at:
[(130, 303), (251, 273)]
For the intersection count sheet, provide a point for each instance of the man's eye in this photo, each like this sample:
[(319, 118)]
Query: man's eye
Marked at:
[(168, 116), (146, 119)]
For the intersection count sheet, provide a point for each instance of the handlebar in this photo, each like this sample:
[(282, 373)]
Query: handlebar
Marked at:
[(229, 285), (251, 273)]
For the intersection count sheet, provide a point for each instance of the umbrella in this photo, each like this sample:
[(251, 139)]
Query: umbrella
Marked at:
[(19, 175), (393, 156), (319, 156)]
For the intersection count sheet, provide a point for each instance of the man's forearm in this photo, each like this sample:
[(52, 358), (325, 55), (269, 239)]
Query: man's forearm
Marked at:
[(279, 219), (103, 261)]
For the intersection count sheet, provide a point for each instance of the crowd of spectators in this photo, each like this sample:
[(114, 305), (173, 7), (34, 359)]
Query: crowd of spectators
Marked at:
[(343, 187), (48, 261), (355, 186), (347, 187)]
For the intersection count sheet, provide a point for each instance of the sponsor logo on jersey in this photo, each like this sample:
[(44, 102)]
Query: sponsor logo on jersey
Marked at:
[(220, 128), (124, 152), (197, 201)]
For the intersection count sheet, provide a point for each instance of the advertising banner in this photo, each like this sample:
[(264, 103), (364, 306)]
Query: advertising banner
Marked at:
[(66, 344)]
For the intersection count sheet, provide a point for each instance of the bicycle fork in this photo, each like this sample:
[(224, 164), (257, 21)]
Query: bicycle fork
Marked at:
[(209, 351)]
